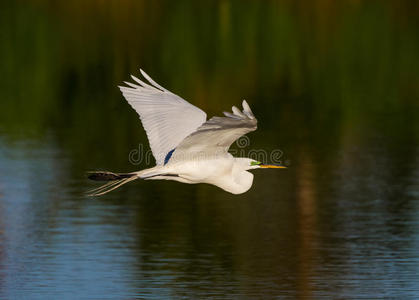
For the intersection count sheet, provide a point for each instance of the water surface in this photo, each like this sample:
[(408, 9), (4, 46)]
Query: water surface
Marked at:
[(334, 88)]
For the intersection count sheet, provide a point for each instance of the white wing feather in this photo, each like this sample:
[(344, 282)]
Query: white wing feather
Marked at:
[(215, 136), (166, 117)]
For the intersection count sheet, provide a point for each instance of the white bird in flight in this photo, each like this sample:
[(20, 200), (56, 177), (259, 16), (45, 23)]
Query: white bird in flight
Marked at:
[(186, 146)]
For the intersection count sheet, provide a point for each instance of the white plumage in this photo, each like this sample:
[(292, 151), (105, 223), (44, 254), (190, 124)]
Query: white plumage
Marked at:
[(187, 148), (167, 118)]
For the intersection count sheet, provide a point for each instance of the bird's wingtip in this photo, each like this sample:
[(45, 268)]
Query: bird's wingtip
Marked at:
[(135, 78), (152, 82), (247, 110), (123, 88)]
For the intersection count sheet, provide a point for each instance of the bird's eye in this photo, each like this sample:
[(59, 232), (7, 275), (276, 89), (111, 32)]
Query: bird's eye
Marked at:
[(255, 163)]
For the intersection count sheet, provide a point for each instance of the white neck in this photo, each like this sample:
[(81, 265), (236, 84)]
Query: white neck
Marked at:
[(241, 180)]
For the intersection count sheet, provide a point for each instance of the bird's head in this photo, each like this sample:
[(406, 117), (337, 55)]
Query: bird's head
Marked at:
[(254, 164)]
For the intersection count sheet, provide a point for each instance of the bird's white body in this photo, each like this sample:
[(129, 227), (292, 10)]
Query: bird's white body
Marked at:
[(226, 172), (187, 147)]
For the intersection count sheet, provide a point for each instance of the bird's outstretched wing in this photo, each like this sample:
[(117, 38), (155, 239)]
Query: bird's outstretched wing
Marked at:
[(167, 118), (215, 136)]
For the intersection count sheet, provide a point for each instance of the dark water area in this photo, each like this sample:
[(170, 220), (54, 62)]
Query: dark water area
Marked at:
[(335, 88)]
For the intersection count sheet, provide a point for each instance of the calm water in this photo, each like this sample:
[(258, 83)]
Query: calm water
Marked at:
[(334, 87), (345, 227)]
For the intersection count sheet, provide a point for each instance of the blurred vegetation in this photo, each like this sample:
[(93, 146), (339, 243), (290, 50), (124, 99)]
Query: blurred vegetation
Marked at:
[(307, 68), (334, 84)]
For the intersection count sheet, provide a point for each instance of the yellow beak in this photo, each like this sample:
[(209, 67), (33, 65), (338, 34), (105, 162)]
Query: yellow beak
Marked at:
[(272, 166)]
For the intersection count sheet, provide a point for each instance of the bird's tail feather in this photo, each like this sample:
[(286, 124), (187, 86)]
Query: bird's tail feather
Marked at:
[(108, 176), (115, 180)]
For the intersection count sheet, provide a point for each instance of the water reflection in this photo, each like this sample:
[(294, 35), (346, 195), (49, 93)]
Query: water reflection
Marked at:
[(334, 88), (307, 214), (343, 234)]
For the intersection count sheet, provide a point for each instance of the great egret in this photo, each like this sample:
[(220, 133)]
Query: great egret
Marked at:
[(186, 146)]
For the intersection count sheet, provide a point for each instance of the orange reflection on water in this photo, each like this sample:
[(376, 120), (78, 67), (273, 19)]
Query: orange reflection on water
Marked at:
[(307, 219)]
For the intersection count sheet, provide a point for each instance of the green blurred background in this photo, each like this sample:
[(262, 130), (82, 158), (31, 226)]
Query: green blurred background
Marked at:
[(347, 64), (335, 86)]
